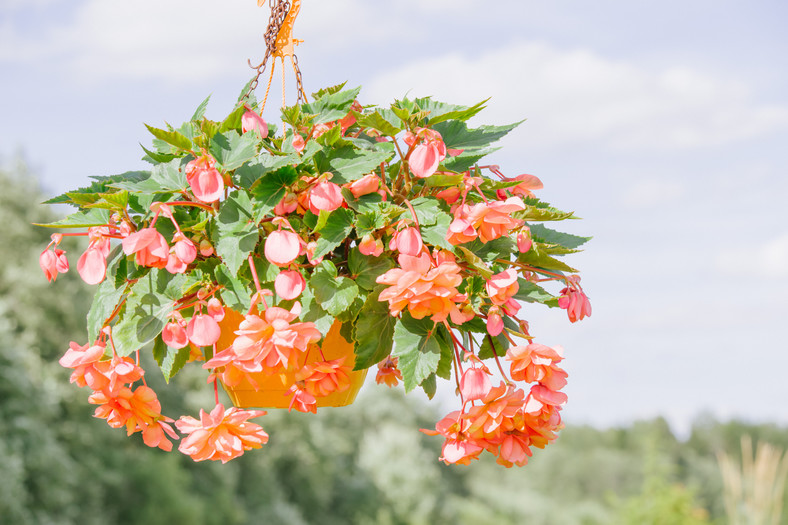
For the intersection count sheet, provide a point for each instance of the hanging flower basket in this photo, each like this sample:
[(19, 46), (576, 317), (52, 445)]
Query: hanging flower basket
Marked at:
[(288, 260)]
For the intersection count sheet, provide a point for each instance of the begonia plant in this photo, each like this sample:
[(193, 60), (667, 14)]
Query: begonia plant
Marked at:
[(383, 222)]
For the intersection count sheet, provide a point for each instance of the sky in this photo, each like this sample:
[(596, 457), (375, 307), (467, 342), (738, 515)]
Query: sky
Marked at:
[(662, 124)]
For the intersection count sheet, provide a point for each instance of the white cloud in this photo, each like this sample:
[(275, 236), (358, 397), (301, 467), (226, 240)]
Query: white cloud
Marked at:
[(646, 193), (578, 96), (769, 260)]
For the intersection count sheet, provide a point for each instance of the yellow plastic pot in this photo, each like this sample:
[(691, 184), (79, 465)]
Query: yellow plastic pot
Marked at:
[(273, 389)]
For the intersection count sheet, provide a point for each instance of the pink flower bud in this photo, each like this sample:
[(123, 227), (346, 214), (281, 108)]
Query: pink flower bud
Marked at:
[(370, 246), (252, 121), (298, 143), (326, 196), (203, 330), (282, 247), (367, 184), (409, 241), (174, 335), (474, 384), (289, 284)]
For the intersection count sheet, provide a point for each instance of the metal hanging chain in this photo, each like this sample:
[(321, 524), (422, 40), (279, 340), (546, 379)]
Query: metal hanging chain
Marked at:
[(278, 44)]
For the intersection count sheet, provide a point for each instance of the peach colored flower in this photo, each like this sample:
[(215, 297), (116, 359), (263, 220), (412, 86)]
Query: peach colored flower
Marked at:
[(150, 247), (326, 196), (321, 378), (299, 143), (123, 408), (575, 302), (537, 362), (369, 245), (487, 220), (252, 121), (424, 289), (302, 400), (428, 152), (407, 241), (502, 286), (524, 241), (282, 247), (268, 342), (204, 179), (174, 333), (221, 434), (369, 183), (388, 372), (119, 371), (289, 284), (475, 384), (83, 360), (154, 434), (203, 330), (53, 262)]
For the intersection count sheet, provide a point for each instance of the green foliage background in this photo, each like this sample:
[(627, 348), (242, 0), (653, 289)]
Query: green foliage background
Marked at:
[(363, 464)]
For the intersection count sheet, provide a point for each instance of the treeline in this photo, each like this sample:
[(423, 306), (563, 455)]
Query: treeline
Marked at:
[(365, 464)]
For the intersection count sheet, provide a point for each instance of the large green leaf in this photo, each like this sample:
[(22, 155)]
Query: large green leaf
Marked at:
[(92, 217), (418, 346), (174, 138), (148, 305), (331, 106), (170, 360), (537, 210), (364, 269), (544, 261), (335, 229), (200, 111), (334, 294), (101, 185), (234, 293), (349, 164), (231, 150), (544, 234), (457, 135), (236, 230), (270, 187), (374, 331), (376, 121)]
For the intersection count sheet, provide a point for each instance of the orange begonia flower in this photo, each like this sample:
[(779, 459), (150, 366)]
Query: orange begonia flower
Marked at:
[(221, 434)]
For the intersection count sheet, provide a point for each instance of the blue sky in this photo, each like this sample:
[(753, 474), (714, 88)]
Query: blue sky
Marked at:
[(663, 124)]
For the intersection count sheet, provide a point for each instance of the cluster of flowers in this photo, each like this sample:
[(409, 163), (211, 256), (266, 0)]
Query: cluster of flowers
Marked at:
[(220, 435), (430, 280)]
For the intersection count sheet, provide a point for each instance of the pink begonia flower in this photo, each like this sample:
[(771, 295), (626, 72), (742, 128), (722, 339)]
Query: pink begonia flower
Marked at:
[(369, 183), (268, 342), (92, 266), (369, 245), (524, 241), (150, 247), (215, 309), (181, 255), (82, 359), (502, 286), (527, 183), (325, 195), (302, 400), (206, 248), (204, 179), (511, 307), (123, 408), (252, 121), (537, 362), (221, 434), (450, 195), (474, 384), (515, 449), (289, 284), (282, 247), (311, 246), (408, 241), (487, 220), (203, 330), (322, 378), (153, 435), (299, 143), (575, 301), (424, 289), (288, 204), (388, 372), (174, 333), (494, 321), (427, 154), (52, 263), (548, 397)]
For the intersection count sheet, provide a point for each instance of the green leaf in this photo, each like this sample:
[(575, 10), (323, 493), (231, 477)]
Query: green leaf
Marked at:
[(232, 150), (150, 302), (174, 138), (457, 135), (200, 111), (430, 386), (331, 106), (164, 178), (499, 343), (237, 233), (418, 349), (441, 112), (233, 120), (311, 312), (271, 187), (93, 217), (544, 261), (537, 210), (374, 331), (466, 160), (334, 294), (435, 234), (336, 229), (104, 302), (365, 269), (376, 121), (101, 185), (170, 359), (543, 234), (532, 293), (234, 293), (349, 164)]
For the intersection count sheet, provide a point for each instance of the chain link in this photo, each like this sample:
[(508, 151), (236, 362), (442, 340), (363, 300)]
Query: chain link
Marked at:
[(279, 10)]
